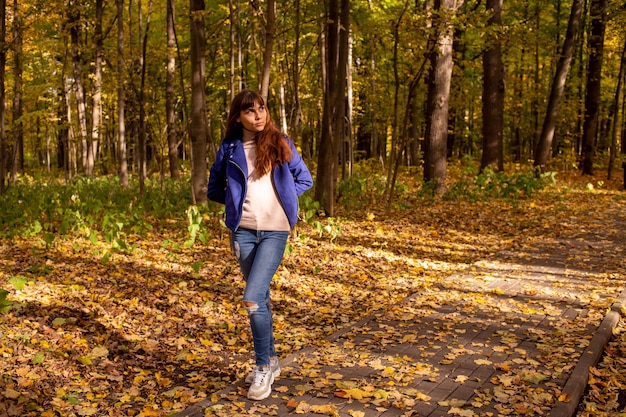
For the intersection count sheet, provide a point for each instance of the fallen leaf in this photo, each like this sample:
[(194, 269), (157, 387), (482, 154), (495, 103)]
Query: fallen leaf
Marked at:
[(11, 393), (354, 393), (565, 397), (329, 410), (461, 412)]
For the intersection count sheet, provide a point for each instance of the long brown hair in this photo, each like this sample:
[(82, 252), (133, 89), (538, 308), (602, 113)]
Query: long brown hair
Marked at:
[(272, 148)]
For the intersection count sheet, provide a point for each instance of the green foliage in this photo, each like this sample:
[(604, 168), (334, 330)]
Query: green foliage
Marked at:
[(490, 184), (310, 209), (364, 187), (18, 282), (5, 304), (332, 228), (195, 216), (100, 209)]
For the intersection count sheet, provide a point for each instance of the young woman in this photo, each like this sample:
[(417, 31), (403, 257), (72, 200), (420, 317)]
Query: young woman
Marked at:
[(258, 176)]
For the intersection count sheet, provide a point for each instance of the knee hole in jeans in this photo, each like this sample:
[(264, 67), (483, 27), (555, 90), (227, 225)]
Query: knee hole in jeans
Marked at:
[(250, 306)]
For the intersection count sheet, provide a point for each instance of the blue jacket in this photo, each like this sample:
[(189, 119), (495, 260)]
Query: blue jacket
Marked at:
[(228, 181)]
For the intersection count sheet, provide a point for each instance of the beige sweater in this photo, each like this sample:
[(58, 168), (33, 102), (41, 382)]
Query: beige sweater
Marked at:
[(261, 208)]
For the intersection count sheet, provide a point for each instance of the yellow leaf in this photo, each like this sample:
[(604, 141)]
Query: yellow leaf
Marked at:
[(354, 393), (388, 370), (329, 410), (99, 352), (303, 388), (356, 413), (302, 407), (85, 360), (124, 399), (565, 397), (148, 412), (422, 397), (483, 362), (503, 367), (461, 412), (11, 393), (534, 377)]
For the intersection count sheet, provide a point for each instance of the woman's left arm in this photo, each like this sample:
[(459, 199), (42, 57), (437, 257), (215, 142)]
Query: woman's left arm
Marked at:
[(301, 174)]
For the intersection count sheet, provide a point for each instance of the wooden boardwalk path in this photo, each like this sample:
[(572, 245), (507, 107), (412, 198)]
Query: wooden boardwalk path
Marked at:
[(514, 335)]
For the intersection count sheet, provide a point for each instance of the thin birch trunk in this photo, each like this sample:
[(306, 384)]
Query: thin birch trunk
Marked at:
[(170, 106), (96, 111), (121, 124), (18, 137), (74, 24)]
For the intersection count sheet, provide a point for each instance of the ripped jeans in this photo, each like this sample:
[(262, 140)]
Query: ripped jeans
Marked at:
[(259, 254)]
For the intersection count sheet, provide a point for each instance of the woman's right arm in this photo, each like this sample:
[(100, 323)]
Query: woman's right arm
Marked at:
[(216, 188)]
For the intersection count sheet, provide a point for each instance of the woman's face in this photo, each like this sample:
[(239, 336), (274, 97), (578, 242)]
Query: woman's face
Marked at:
[(253, 118)]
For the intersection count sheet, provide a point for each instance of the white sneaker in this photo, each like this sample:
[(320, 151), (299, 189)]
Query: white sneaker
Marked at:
[(274, 366), (261, 386)]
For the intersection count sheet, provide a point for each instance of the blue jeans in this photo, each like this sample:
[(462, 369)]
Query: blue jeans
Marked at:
[(259, 254)]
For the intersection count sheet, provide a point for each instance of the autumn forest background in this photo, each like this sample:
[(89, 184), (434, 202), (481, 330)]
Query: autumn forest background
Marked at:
[(438, 132)]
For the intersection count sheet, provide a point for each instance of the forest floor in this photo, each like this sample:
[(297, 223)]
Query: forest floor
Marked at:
[(152, 331)]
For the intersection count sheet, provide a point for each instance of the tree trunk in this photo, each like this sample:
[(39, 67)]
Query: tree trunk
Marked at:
[(581, 62), (170, 106), (327, 152), (121, 124), (96, 111), (232, 20), (297, 117), (435, 141), (615, 112), (142, 159), (594, 74), (198, 129), (270, 29), (282, 107), (493, 94), (558, 86), (18, 137), (72, 157), (537, 76), (3, 60), (341, 81), (393, 154), (396, 150), (349, 107), (333, 117), (75, 34)]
